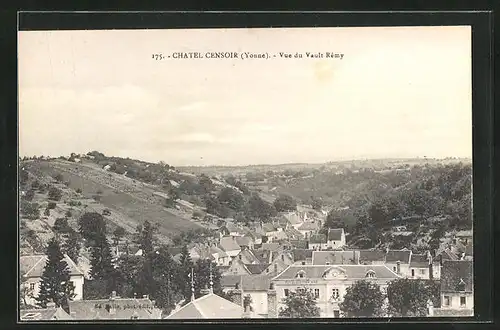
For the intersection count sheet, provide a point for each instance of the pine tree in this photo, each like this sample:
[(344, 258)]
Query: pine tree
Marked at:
[(55, 285), (72, 246), (164, 272), (183, 280), (101, 263)]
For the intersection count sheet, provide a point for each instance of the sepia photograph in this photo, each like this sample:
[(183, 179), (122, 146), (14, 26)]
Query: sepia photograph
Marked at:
[(245, 173)]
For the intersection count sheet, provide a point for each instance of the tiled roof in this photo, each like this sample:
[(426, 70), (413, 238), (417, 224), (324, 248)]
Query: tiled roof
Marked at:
[(352, 271), (271, 247), (269, 227), (369, 256), (246, 282), (45, 314), (402, 256), (249, 256), (293, 234), (263, 256), (301, 254), (293, 218), (33, 266), (124, 309), (243, 241), (335, 257), (281, 235), (335, 234), (232, 228), (319, 238), (419, 260), (309, 226), (446, 254), (299, 244), (256, 268), (229, 244), (454, 273), (210, 306)]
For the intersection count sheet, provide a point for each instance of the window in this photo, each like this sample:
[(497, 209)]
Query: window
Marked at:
[(316, 293), (328, 262), (286, 292), (394, 268), (413, 272), (135, 317), (267, 270), (370, 274), (336, 313), (463, 301), (447, 300), (303, 262), (300, 275), (335, 293), (422, 271), (32, 286)]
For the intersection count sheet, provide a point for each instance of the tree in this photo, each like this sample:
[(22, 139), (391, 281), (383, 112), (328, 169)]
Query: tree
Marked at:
[(165, 291), (30, 210), (72, 245), (61, 226), (300, 304), (101, 265), (202, 270), (317, 204), (92, 225), (285, 203), (55, 284), (231, 198), (145, 237), (29, 195), (183, 275), (55, 194), (128, 271), (118, 234), (408, 297), (258, 209), (58, 177), (363, 299)]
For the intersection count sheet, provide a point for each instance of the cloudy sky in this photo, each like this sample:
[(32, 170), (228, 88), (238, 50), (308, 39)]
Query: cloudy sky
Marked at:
[(397, 92)]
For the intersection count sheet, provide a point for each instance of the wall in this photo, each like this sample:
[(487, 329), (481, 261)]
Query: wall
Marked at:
[(455, 300), (77, 282), (404, 268), (259, 301)]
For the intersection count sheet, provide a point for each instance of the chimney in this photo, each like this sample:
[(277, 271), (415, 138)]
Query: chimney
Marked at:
[(272, 302), (398, 267)]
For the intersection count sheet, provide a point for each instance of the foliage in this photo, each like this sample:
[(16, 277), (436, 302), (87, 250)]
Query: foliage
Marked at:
[(55, 284), (409, 297), (72, 245), (51, 205), (317, 204), (231, 199), (259, 210), (300, 304), (55, 193), (118, 234), (59, 177), (61, 226), (46, 212), (184, 272), (78, 190), (363, 299), (285, 203), (29, 195), (202, 270), (30, 210), (92, 227)]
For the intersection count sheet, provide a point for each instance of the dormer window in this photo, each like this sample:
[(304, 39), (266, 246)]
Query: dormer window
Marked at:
[(370, 274), (461, 285), (301, 274)]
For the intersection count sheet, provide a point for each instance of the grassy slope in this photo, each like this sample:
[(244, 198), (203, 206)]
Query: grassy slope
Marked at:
[(130, 203)]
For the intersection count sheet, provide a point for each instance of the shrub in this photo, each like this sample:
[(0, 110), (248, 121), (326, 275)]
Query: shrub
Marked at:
[(46, 212), (55, 193), (51, 205), (58, 177), (79, 191), (68, 213), (30, 210)]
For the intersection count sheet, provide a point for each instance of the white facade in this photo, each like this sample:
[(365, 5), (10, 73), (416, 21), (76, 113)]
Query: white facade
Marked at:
[(423, 272), (457, 300), (259, 301), (34, 288)]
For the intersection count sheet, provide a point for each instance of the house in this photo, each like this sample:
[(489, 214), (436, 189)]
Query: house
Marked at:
[(265, 256), (302, 256), (299, 244), (309, 228), (457, 288), (445, 253), (31, 268), (293, 219), (230, 229), (238, 267), (220, 257), (398, 261), (255, 286), (247, 257), (371, 257), (51, 313), (335, 257), (114, 308), (294, 235), (244, 242), (273, 247), (209, 306), (336, 238), (278, 264), (254, 237), (420, 267), (463, 236), (271, 231), (318, 242), (228, 244), (328, 283)]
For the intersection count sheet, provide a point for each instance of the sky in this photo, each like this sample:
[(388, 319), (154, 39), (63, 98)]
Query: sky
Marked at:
[(397, 92)]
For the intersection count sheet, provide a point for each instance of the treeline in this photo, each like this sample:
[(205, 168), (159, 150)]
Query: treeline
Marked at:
[(154, 273)]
